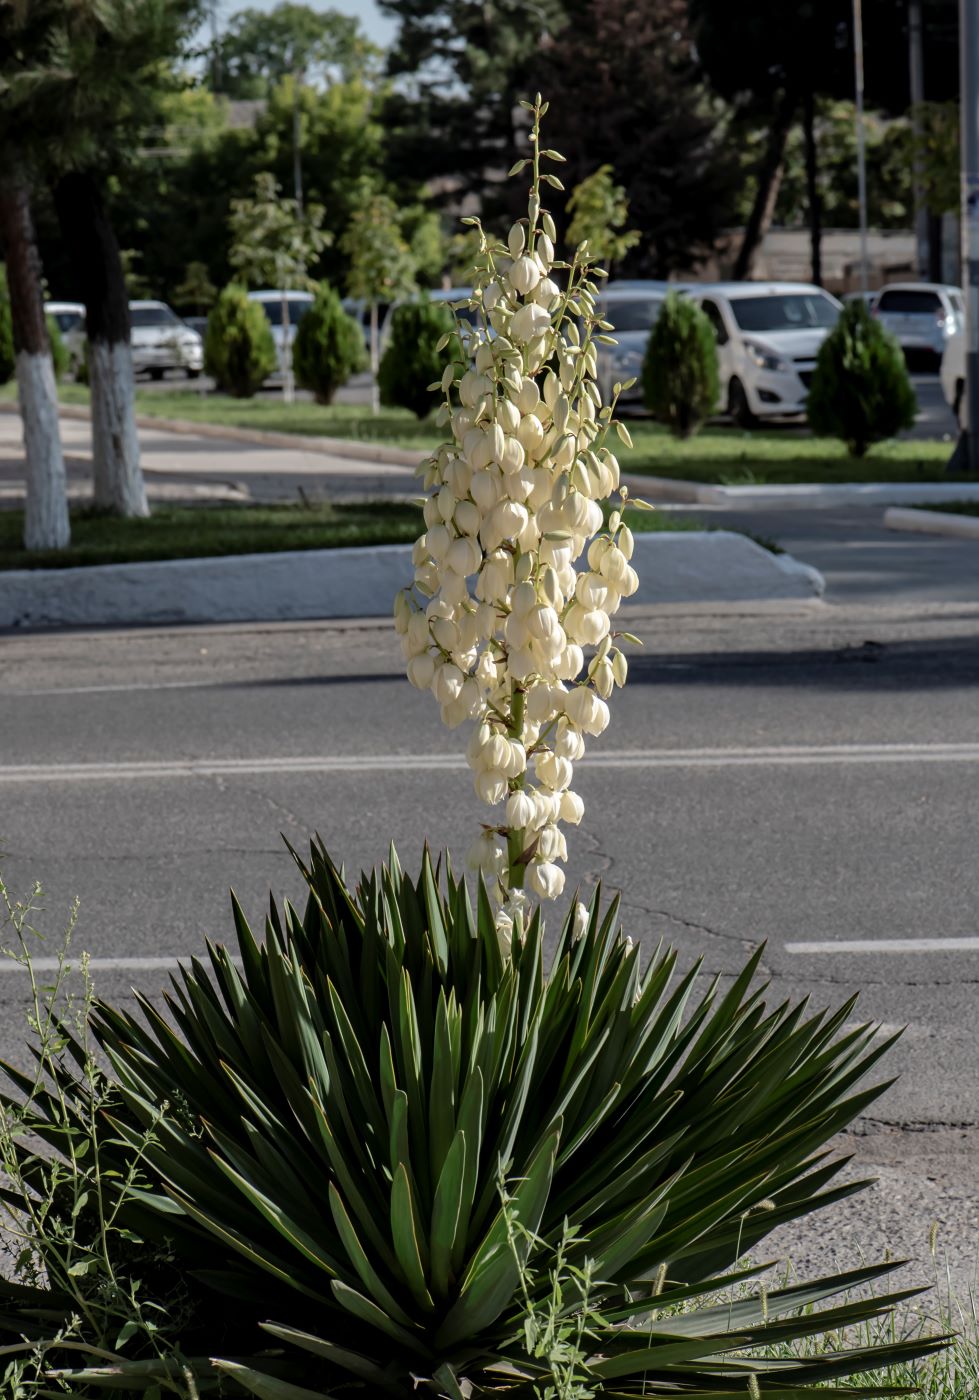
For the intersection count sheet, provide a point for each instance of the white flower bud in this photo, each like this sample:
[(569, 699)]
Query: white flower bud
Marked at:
[(490, 785), (620, 667), (445, 632), (630, 582), (521, 810), (516, 241), (447, 683), (571, 663), (421, 671), (591, 591), (627, 541), (486, 855), (568, 743), (528, 396), (464, 556), (507, 519), (572, 808), (586, 711), (553, 772), (545, 879), (524, 275), (528, 323), (613, 566), (603, 678), (468, 519), (551, 844)]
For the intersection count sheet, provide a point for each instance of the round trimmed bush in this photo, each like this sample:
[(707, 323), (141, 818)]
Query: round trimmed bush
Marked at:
[(239, 351), (860, 388), (329, 346), (679, 372), (411, 363)]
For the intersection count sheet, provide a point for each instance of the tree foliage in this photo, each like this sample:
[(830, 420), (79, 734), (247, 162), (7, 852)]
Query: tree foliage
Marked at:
[(412, 361), (647, 116), (860, 388), (273, 241), (679, 373), (329, 346), (258, 48), (598, 210), (381, 266), (196, 290), (239, 350)]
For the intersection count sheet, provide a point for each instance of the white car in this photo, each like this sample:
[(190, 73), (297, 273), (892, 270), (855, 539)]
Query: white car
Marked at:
[(768, 337), (271, 302), (69, 317), (922, 315), (953, 373), (161, 341), (632, 308)]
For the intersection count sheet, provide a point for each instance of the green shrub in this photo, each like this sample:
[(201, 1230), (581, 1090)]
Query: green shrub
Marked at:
[(6, 332), (860, 389), (384, 1128), (679, 372), (329, 346), (411, 363), (239, 351)]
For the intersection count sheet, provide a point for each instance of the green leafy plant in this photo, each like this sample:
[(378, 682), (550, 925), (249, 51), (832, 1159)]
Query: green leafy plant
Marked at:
[(351, 1093), (860, 388), (329, 346), (679, 372), (60, 357), (422, 343), (238, 347)]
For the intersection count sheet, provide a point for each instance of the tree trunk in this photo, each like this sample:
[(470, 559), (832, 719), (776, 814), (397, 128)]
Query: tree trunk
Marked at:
[(375, 362), (813, 197), (288, 383), (769, 180), (46, 524), (118, 476)]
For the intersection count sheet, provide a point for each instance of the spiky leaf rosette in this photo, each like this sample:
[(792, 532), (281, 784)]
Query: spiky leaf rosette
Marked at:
[(383, 1127)]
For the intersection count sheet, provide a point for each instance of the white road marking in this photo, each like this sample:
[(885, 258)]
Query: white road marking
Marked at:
[(134, 964), (111, 689), (139, 770), (887, 945)]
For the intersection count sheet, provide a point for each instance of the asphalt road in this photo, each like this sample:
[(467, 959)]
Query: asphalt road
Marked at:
[(834, 805)]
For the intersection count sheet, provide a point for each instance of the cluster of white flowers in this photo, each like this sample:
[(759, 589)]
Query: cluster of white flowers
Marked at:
[(499, 618)]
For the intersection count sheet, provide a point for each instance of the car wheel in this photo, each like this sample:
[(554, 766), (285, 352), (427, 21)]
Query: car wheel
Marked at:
[(193, 373), (156, 373), (738, 406)]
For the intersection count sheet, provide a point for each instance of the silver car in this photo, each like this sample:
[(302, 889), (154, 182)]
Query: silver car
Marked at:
[(923, 316), (161, 341), (632, 308), (69, 317)]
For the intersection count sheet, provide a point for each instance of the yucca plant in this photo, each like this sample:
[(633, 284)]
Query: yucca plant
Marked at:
[(381, 1124)]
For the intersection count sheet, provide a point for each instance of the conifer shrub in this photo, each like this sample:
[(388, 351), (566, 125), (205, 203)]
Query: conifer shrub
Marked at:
[(413, 362), (329, 346), (860, 389), (239, 351), (679, 373)]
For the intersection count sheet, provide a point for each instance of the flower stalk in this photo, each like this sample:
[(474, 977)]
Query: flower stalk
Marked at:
[(518, 574)]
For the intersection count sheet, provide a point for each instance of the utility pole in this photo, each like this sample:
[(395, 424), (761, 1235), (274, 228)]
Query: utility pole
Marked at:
[(298, 76), (917, 68), (966, 455), (861, 141)]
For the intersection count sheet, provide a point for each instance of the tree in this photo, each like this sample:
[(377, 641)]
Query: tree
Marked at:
[(647, 116), (860, 387), (196, 290), (259, 48), (679, 372), (381, 266), (46, 523), (274, 242), (598, 209), (87, 87)]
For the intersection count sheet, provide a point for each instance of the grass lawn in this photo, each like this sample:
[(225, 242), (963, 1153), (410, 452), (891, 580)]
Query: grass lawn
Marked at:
[(725, 455), (193, 532), (196, 532)]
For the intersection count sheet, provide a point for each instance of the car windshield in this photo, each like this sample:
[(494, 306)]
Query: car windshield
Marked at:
[(628, 315), (909, 303), (67, 320), (298, 306), (791, 311), (153, 316)]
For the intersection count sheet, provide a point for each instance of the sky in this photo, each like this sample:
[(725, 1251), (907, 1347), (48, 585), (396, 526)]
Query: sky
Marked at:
[(375, 25)]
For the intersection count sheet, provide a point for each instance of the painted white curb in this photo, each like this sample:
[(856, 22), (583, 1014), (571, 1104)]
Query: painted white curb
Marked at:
[(681, 567), (933, 522), (809, 495)]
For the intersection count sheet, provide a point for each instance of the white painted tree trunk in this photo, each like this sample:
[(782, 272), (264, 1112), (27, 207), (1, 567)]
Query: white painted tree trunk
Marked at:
[(118, 476), (46, 524)]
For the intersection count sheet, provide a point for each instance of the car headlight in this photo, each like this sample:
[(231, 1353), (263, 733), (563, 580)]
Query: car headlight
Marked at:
[(763, 358)]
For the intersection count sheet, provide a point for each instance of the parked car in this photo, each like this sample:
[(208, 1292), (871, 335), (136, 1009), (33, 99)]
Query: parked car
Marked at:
[(922, 315), (69, 317), (632, 307), (161, 340), (768, 337), (271, 301), (466, 316), (953, 373), (197, 323)]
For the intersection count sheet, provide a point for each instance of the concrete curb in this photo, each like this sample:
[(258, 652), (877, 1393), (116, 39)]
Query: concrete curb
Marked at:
[(332, 447), (809, 495), (682, 567), (933, 522)]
